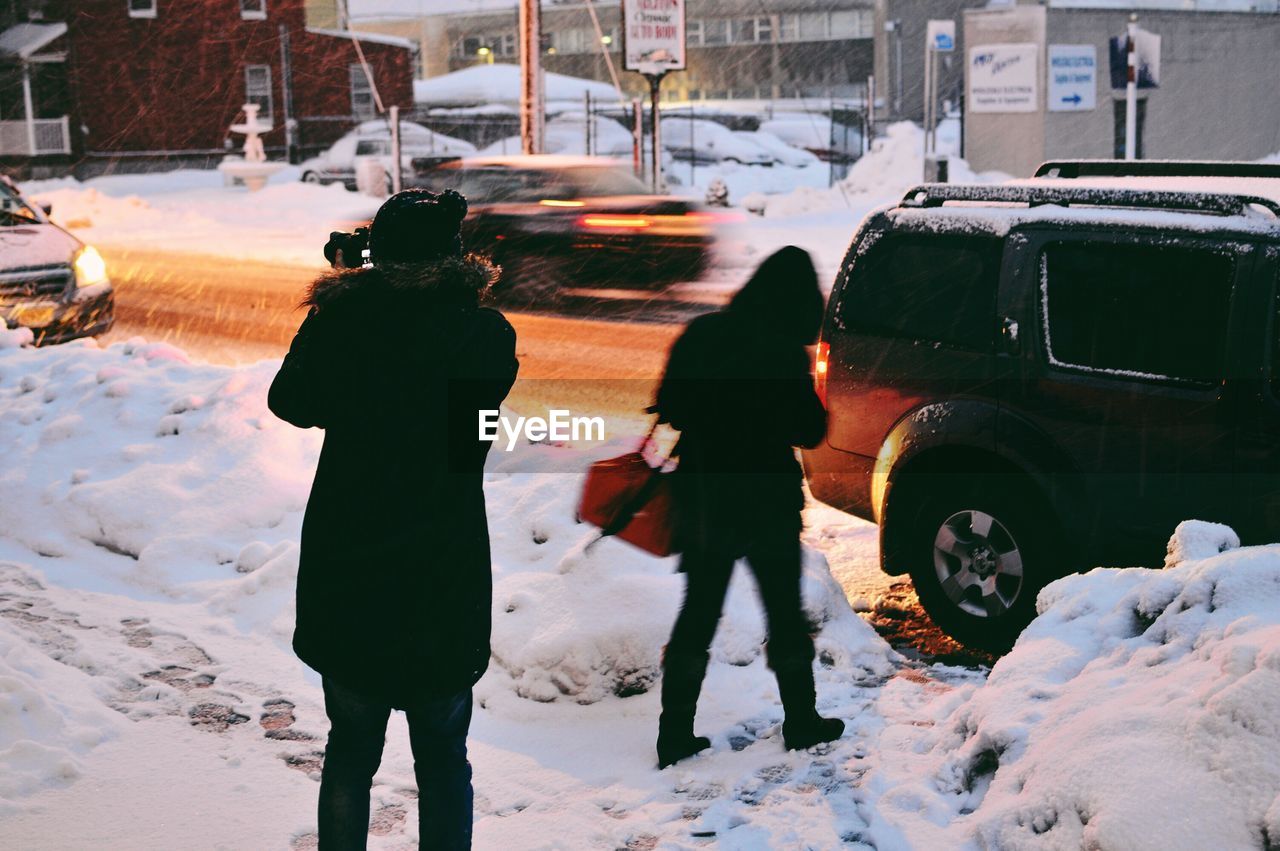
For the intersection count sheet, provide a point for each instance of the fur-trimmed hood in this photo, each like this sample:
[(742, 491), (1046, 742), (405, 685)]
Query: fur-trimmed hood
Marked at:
[(457, 280)]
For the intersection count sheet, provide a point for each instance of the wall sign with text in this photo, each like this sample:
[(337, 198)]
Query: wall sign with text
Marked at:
[(1003, 78)]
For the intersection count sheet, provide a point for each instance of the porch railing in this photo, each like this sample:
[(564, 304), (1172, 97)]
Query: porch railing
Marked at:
[(52, 136)]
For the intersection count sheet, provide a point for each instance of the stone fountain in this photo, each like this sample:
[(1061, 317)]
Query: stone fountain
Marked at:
[(251, 170)]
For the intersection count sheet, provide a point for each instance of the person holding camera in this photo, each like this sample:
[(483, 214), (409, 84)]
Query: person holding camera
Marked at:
[(393, 361)]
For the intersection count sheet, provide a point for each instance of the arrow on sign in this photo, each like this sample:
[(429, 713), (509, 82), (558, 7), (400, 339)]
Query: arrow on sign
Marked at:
[(1074, 99)]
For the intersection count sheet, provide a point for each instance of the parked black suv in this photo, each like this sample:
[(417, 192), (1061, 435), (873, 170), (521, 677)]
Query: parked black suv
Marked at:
[(1035, 378)]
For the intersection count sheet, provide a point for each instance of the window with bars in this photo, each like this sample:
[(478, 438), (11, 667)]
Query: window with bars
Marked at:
[(257, 89), (362, 103)]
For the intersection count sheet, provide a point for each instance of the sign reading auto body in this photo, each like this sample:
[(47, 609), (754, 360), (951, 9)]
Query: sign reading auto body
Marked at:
[(1003, 78), (653, 35), (1073, 77)]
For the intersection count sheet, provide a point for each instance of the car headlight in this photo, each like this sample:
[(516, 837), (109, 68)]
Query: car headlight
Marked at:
[(91, 269)]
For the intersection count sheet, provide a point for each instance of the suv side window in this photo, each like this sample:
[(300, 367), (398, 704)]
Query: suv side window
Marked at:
[(927, 287), (1144, 311)]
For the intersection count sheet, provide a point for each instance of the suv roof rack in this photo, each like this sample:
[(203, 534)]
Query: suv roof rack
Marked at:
[(937, 194), (1155, 168)]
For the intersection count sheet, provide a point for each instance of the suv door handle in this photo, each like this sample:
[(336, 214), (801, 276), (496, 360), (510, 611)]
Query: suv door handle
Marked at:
[(1010, 342)]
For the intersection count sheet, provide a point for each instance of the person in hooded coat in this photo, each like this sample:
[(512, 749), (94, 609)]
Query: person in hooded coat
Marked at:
[(393, 361), (737, 387)]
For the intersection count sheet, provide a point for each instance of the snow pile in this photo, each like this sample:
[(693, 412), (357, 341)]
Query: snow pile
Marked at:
[(191, 211), (1141, 709), (500, 83), (894, 164), (580, 619)]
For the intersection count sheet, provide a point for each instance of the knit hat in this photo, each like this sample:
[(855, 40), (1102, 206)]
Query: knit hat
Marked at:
[(417, 226)]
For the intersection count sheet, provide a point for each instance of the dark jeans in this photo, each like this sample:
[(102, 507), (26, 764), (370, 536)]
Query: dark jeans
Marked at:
[(776, 566), (438, 734)]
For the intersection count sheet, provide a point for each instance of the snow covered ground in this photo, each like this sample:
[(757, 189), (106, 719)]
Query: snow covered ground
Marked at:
[(149, 517)]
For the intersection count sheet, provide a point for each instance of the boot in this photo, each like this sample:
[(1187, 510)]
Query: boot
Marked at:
[(803, 727), (681, 682)]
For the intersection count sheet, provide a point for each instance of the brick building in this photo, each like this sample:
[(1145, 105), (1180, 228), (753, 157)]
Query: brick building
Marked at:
[(126, 85)]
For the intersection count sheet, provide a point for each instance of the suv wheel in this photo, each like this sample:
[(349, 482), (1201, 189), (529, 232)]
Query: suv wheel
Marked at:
[(978, 556), (310, 177)]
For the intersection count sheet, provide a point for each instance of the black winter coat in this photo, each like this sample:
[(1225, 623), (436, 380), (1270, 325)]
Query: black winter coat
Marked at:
[(738, 388), (394, 584)]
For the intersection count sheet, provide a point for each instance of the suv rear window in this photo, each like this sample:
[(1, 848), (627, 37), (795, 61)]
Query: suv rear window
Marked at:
[(938, 289), (1138, 310)]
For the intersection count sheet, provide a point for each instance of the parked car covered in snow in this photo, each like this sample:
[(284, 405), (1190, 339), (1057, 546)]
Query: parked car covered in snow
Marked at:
[(826, 139), (1026, 380), (50, 281), (701, 141), (372, 140), (785, 154), (554, 222)]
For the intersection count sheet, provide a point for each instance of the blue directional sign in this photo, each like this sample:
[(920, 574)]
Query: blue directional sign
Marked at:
[(943, 41), (1073, 77)]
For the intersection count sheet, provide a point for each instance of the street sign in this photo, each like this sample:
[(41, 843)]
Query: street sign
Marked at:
[(1003, 78), (1147, 47), (941, 36), (653, 36), (1073, 77)]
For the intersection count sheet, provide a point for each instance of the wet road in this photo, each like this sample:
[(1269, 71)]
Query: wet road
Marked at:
[(596, 354)]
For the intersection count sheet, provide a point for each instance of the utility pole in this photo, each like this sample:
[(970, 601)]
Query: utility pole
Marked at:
[(1131, 94), (531, 107)]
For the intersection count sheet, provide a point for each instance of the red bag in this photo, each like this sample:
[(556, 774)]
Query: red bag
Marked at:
[(629, 498)]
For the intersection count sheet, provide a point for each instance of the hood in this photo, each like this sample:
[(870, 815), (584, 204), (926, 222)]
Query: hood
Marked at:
[(458, 280), (783, 297), (23, 246)]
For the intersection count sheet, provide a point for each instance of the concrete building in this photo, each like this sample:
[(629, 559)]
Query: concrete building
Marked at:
[(736, 48), (1216, 99), (899, 56), (97, 85)]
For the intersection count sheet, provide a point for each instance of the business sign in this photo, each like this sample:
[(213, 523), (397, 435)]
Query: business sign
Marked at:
[(1073, 77), (653, 36), (1003, 78), (941, 36)]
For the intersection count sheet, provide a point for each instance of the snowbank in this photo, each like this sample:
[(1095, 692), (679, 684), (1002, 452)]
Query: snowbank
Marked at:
[(1141, 709), (500, 83), (190, 211)]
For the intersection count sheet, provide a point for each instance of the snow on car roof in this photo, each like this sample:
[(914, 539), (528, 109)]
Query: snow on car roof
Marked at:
[(998, 218), (1263, 187), (543, 161)]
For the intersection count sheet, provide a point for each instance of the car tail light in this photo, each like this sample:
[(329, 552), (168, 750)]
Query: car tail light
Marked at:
[(820, 367), (614, 222)]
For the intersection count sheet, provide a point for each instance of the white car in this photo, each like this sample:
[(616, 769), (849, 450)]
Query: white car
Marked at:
[(785, 154), (372, 139), (701, 141), (50, 281)]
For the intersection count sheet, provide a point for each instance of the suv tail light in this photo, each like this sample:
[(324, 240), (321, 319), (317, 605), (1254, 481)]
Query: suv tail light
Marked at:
[(820, 366)]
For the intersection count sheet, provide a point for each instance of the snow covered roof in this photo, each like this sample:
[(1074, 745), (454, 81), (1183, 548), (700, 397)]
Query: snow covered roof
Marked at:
[(26, 40), (499, 83), (372, 38)]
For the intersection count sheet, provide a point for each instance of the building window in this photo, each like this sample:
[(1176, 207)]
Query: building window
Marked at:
[(693, 33), (362, 105), (253, 10), (715, 31), (257, 89), (142, 8), (853, 23), (813, 26)]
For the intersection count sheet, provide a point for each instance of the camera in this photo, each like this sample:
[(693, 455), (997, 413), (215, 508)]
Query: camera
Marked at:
[(348, 250)]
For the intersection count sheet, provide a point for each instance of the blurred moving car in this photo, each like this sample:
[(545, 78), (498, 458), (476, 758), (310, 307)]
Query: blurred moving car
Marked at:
[(50, 281), (554, 221), (704, 142), (372, 140)]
